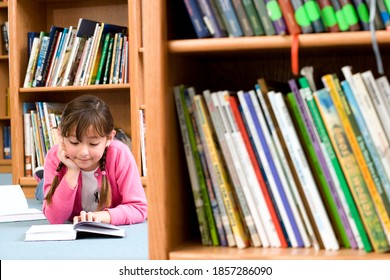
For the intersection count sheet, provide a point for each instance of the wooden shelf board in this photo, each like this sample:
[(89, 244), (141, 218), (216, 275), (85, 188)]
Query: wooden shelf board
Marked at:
[(27, 181), (337, 39), (199, 252), (77, 88)]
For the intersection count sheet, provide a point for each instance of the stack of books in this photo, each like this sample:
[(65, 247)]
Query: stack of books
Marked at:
[(93, 53), (288, 164)]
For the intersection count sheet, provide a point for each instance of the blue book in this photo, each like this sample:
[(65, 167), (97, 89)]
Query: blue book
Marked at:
[(216, 28), (7, 142), (274, 171), (230, 18), (199, 25), (366, 136)]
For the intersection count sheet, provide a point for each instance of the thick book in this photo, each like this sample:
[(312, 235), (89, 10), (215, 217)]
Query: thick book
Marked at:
[(195, 15), (264, 18), (276, 16), (210, 18), (229, 17), (62, 232), (14, 206)]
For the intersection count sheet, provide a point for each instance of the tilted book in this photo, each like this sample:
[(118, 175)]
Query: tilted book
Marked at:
[(59, 232)]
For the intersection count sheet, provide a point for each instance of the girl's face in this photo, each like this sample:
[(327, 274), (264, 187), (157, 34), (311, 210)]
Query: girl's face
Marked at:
[(87, 153)]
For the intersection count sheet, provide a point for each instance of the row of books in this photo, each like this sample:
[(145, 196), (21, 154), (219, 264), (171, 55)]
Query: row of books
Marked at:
[(40, 120), (7, 142), (290, 165), (91, 54), (236, 18), (5, 36)]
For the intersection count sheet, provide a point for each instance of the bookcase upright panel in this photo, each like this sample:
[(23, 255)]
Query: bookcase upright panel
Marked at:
[(173, 56)]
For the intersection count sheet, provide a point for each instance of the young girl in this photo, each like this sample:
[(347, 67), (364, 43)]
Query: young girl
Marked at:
[(89, 175)]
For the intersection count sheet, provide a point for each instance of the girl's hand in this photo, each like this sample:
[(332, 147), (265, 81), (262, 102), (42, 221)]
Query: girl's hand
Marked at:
[(99, 216), (63, 156)]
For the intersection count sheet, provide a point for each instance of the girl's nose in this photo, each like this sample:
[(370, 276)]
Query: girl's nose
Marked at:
[(84, 150)]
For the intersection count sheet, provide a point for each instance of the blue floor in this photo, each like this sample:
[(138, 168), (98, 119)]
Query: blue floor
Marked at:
[(5, 178)]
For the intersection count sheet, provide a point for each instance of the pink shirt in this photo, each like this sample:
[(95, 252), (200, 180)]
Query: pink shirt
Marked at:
[(129, 204)]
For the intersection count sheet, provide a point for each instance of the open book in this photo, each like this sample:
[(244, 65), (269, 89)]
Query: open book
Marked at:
[(14, 207), (70, 231)]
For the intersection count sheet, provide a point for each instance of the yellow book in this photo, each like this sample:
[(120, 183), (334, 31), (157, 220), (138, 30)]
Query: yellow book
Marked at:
[(240, 235), (331, 85)]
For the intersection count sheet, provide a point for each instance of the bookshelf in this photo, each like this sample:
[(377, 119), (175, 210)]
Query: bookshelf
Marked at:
[(171, 57), (5, 120), (124, 99)]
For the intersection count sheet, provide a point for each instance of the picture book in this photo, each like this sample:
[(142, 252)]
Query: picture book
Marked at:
[(59, 232)]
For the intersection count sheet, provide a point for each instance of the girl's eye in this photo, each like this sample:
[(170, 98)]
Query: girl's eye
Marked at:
[(73, 143), (94, 144)]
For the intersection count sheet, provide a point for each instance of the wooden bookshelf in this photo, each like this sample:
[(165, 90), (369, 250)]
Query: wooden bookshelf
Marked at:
[(124, 99), (5, 120), (172, 56)]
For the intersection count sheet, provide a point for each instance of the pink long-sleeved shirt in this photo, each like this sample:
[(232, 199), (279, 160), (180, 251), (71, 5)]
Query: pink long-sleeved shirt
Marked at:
[(129, 204)]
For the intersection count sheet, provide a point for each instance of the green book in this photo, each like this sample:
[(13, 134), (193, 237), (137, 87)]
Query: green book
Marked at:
[(352, 172), (108, 62), (253, 17), (323, 134), (96, 80), (318, 171)]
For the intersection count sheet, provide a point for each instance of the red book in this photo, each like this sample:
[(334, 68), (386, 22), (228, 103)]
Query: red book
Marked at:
[(289, 17), (241, 126)]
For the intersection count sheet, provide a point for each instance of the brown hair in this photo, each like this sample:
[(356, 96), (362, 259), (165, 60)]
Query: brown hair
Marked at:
[(80, 114)]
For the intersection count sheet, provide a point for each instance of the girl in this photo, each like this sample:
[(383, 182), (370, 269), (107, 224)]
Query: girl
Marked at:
[(89, 175)]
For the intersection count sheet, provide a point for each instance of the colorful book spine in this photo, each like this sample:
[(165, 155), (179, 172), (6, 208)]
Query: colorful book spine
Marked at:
[(240, 236), (384, 13), (359, 148), (286, 210), (264, 18), (242, 17), (229, 17), (305, 175), (195, 15), (328, 16), (254, 19), (351, 169), (301, 16), (329, 189), (213, 192), (193, 167), (276, 16), (210, 19), (361, 236), (350, 15), (341, 21), (251, 219), (234, 104), (314, 14), (363, 14), (289, 17)]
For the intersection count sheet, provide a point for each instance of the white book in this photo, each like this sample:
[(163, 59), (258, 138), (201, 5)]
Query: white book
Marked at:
[(378, 101), (60, 63), (60, 232), (260, 151), (14, 206), (143, 143), (251, 217), (29, 74), (283, 178), (308, 235), (82, 62), (54, 58), (85, 74), (304, 172), (384, 88)]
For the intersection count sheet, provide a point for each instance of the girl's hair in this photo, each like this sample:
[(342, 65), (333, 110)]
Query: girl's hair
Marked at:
[(79, 115)]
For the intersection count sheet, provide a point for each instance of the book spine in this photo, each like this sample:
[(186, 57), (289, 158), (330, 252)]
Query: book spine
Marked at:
[(210, 19), (350, 15), (289, 17), (276, 16), (264, 18), (301, 16), (328, 187), (196, 19), (286, 211), (360, 232), (313, 12), (192, 168), (358, 146), (253, 18), (384, 13), (236, 171), (41, 57), (235, 221), (352, 171), (363, 14), (242, 17), (29, 72), (234, 104), (230, 18), (305, 175), (328, 16), (341, 21), (213, 192)]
